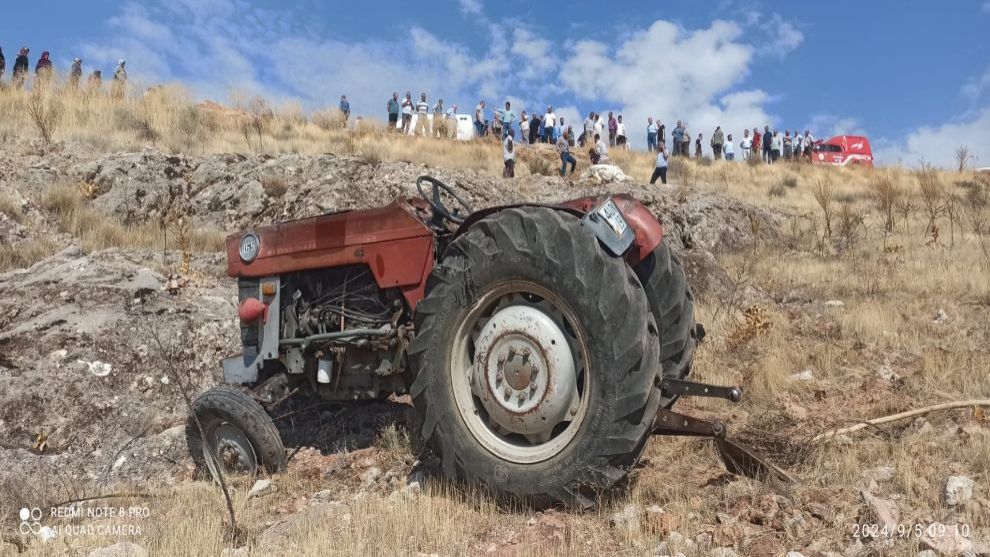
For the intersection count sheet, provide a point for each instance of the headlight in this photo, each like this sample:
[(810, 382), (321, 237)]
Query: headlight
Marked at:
[(250, 245)]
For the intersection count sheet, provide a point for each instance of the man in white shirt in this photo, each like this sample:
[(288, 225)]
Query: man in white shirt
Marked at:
[(549, 121), (809, 143), (589, 129), (524, 128), (620, 134), (509, 157), (479, 119), (407, 112), (746, 145), (601, 148), (422, 115), (439, 121), (729, 148), (660, 171)]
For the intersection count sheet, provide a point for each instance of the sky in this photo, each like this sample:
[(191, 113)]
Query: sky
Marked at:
[(914, 76)]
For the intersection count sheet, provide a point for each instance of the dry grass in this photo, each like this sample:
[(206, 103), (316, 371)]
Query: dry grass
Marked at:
[(67, 209), (869, 239)]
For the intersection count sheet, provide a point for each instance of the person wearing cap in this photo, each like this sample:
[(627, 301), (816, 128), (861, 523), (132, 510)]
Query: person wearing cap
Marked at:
[(75, 73), (119, 80), (21, 65)]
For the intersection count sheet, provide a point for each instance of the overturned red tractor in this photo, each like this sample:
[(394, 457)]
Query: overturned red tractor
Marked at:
[(542, 345)]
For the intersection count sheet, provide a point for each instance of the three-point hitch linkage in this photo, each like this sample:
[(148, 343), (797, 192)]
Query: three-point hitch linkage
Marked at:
[(738, 459)]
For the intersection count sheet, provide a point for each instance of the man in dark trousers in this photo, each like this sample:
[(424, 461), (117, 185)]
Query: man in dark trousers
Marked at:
[(660, 170), (75, 73), (21, 67)]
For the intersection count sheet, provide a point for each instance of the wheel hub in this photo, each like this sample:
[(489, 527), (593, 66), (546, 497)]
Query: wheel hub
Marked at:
[(234, 451), (524, 372)]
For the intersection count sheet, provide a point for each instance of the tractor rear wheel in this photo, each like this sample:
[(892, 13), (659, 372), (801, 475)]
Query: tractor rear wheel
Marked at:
[(535, 360), (672, 306)]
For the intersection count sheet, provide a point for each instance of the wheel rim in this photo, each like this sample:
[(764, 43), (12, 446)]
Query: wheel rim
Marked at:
[(234, 452), (519, 372)]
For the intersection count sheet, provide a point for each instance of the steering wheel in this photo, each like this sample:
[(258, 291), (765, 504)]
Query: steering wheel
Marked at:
[(437, 205)]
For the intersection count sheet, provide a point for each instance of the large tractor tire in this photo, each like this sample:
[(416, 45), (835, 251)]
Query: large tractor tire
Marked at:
[(237, 430), (535, 360), (672, 306)]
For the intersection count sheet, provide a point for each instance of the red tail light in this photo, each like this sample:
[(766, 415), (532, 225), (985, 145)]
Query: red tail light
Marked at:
[(252, 310)]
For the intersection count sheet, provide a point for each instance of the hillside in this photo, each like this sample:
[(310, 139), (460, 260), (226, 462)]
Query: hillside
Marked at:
[(831, 296)]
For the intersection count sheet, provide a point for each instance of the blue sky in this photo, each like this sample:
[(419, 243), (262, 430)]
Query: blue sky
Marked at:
[(914, 76)]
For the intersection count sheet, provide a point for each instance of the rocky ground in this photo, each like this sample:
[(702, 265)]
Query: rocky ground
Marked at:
[(97, 348)]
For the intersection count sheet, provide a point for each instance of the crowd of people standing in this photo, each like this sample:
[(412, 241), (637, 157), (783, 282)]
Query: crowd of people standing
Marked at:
[(597, 132), (769, 146), (44, 73)]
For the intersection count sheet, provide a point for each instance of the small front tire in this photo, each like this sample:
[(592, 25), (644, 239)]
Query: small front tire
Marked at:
[(237, 431)]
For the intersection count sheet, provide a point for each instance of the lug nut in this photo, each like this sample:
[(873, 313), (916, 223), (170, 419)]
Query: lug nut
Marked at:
[(501, 359), (512, 352), (532, 387), (498, 378), (521, 396)]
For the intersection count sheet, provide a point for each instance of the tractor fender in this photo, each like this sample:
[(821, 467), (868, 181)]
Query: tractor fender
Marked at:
[(648, 231)]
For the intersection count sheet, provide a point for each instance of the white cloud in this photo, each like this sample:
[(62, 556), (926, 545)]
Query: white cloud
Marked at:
[(671, 73), (664, 70), (784, 35), (937, 144), (535, 53), (975, 87), (470, 7), (986, 7), (824, 126)]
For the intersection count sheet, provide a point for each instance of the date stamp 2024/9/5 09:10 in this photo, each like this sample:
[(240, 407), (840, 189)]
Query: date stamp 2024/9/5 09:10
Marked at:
[(935, 530)]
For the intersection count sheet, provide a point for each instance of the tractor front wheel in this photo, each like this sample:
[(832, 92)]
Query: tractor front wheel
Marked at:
[(230, 433)]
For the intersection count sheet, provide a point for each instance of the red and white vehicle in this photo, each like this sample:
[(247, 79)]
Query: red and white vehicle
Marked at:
[(843, 150)]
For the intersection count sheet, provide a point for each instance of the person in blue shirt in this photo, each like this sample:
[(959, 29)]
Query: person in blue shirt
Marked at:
[(508, 118), (345, 108), (393, 112), (678, 137)]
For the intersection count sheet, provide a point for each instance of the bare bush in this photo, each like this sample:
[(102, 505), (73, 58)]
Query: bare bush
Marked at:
[(46, 113), (932, 194), (851, 227), (540, 166), (887, 196), (274, 185), (964, 158), (826, 202), (331, 119)]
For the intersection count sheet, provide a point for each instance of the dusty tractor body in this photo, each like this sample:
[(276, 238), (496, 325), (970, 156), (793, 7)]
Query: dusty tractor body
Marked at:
[(541, 345)]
